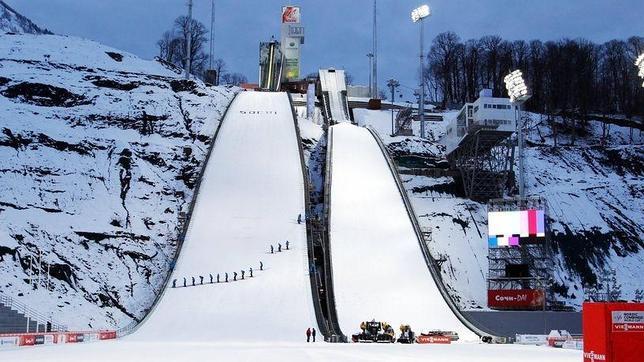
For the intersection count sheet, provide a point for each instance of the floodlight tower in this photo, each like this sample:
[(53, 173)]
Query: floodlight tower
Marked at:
[(518, 92), (640, 64), (418, 15), (370, 56)]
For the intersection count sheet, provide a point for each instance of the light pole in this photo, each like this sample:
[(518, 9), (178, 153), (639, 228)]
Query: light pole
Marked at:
[(518, 92), (418, 15), (189, 40), (370, 55), (392, 84), (640, 64)]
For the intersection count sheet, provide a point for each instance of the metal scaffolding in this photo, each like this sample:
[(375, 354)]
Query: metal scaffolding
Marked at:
[(484, 160)]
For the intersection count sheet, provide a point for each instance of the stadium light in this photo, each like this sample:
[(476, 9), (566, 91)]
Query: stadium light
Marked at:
[(516, 87), (518, 92), (417, 15), (420, 13), (640, 64)]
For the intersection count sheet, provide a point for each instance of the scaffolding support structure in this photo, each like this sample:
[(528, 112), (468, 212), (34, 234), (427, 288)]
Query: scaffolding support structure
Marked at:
[(484, 160)]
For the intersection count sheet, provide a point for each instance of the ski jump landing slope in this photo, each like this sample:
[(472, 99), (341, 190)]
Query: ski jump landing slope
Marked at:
[(250, 198), (379, 271), (333, 83)]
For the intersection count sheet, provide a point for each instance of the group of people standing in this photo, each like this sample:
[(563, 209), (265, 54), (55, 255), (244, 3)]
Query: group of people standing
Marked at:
[(279, 247), (310, 332), (218, 278)]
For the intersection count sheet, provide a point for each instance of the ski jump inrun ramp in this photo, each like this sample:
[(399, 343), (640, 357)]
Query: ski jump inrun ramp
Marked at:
[(250, 197), (379, 271)]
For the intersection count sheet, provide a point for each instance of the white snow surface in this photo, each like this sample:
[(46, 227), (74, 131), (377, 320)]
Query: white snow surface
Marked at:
[(122, 350), (378, 268), (250, 198)]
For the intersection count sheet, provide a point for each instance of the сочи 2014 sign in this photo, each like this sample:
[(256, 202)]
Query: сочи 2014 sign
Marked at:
[(291, 14)]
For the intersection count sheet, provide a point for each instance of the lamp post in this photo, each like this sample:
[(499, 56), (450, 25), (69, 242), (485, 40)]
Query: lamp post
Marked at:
[(393, 84), (640, 64), (518, 92), (370, 56), (418, 15)]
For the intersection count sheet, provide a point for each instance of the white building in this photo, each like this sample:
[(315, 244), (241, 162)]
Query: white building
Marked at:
[(487, 112)]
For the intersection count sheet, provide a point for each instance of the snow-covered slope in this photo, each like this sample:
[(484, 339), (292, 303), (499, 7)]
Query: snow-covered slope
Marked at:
[(595, 198), (249, 199), (100, 152), (13, 22)]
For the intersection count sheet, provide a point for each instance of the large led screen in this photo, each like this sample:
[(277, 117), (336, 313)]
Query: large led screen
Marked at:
[(513, 228)]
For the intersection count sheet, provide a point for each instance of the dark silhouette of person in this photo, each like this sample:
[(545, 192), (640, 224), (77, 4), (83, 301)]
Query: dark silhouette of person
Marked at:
[(184, 282), (261, 266), (279, 247), (210, 278), (286, 244), (193, 281), (235, 276), (217, 277), (243, 272), (271, 249), (313, 334), (201, 279), (174, 283), (226, 277), (308, 335), (299, 218), (251, 272)]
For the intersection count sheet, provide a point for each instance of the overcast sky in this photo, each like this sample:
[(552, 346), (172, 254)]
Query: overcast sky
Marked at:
[(338, 32)]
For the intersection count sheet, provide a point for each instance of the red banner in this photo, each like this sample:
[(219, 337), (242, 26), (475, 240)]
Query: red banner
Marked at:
[(107, 335), (27, 340), (515, 299), (433, 339), (613, 332)]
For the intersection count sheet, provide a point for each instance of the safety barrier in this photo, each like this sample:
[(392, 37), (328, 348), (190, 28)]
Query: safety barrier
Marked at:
[(35, 339), (433, 267)]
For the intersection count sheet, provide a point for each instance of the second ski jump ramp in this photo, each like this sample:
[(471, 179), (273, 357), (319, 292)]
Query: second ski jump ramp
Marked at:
[(334, 92), (379, 271), (250, 197)]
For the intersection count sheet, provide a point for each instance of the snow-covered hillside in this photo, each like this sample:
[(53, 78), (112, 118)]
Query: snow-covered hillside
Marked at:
[(13, 22), (595, 196), (99, 155)]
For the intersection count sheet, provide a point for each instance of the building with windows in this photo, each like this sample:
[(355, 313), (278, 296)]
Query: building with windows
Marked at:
[(486, 112)]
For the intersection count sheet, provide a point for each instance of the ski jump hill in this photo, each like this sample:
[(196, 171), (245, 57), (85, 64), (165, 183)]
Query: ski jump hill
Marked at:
[(379, 269), (250, 197), (251, 194)]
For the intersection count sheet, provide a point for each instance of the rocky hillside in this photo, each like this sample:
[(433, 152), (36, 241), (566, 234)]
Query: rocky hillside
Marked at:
[(100, 152), (595, 194), (13, 22)]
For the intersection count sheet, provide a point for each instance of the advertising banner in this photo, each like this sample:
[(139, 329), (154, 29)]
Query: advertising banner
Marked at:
[(27, 340), (611, 332), (39, 339), (624, 321), (107, 335), (8, 341), (520, 299), (291, 15), (534, 339), (433, 339)]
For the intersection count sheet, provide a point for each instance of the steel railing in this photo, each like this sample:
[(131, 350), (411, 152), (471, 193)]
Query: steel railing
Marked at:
[(32, 315)]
